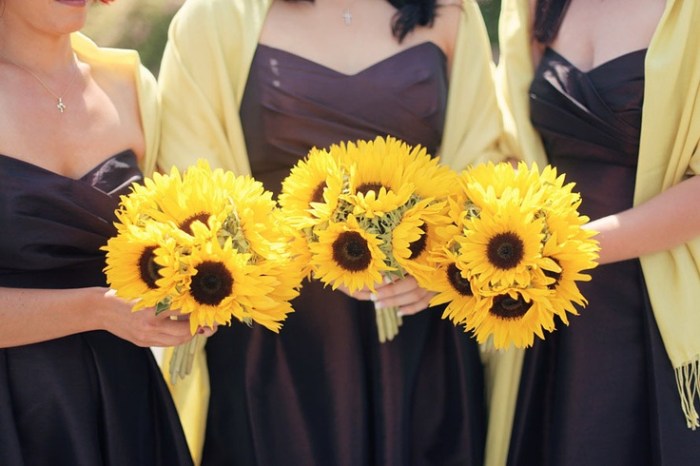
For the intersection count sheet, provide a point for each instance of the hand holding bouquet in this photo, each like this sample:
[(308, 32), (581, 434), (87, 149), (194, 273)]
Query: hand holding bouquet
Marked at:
[(367, 212), (206, 243)]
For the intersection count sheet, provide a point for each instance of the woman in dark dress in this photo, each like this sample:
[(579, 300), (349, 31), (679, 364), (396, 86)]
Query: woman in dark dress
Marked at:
[(602, 391), (267, 81), (78, 383)]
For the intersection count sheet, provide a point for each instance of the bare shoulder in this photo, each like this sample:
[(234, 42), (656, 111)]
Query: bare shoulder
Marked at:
[(118, 82), (114, 92), (446, 25)]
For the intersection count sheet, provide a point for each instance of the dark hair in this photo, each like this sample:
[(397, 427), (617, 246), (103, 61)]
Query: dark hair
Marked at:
[(411, 13), (548, 17)]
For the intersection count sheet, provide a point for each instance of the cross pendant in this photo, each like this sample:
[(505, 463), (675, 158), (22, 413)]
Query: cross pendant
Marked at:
[(347, 17), (60, 105)]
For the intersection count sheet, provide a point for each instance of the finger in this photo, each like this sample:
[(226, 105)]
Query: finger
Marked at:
[(173, 314), (166, 340), (175, 328), (409, 303), (206, 331), (363, 294), (396, 287), (399, 295), (415, 307)]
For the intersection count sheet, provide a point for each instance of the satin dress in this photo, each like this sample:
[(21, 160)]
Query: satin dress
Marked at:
[(324, 391), (602, 391), (92, 398)]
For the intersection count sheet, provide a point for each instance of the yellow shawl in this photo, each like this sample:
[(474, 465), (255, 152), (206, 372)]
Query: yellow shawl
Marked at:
[(128, 61), (203, 75), (668, 154)]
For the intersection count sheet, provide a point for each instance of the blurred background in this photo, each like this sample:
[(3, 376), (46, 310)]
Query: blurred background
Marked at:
[(143, 25)]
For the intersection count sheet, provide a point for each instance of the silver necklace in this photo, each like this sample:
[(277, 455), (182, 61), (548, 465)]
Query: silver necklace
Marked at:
[(60, 105)]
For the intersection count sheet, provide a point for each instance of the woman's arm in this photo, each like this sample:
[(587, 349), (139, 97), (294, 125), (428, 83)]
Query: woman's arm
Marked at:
[(35, 315), (664, 222)]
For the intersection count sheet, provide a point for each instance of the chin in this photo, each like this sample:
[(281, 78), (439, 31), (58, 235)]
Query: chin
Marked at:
[(71, 15)]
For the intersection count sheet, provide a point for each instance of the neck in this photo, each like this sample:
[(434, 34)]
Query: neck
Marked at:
[(42, 54)]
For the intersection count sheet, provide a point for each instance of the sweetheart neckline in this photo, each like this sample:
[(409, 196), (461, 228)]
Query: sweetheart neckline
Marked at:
[(82, 177), (364, 70), (599, 66)]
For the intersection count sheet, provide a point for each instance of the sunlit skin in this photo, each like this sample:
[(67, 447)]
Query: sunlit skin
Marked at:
[(102, 119)]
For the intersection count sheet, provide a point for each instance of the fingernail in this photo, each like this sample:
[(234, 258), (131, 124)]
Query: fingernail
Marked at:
[(200, 331), (373, 297)]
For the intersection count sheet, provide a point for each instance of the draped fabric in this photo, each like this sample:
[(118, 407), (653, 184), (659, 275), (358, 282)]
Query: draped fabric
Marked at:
[(90, 398)]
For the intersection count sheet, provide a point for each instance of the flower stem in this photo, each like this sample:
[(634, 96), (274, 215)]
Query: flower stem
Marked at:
[(182, 359)]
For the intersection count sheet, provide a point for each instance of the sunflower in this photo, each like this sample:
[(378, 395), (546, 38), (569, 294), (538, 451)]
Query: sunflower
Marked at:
[(563, 220), (310, 193), (496, 177), (572, 257), (377, 180), (188, 198), (271, 313), (132, 268), (502, 248), (485, 183), (430, 177), (453, 288), (251, 220), (512, 318), (415, 239), (141, 204), (220, 283), (345, 254)]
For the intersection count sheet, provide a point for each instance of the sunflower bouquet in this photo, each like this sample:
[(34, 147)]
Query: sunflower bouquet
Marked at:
[(366, 212), (512, 254), (208, 244)]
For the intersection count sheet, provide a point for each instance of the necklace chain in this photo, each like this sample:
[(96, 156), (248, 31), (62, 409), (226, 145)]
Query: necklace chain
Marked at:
[(60, 105)]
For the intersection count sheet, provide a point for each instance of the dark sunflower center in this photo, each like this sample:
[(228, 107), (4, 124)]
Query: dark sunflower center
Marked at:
[(417, 247), (148, 269), (186, 225), (508, 308), (351, 252), (555, 275), (212, 283), (367, 187), (505, 250), (317, 195), (458, 282)]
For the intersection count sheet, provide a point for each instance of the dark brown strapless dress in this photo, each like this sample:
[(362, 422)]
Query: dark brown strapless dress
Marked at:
[(88, 399), (602, 391), (325, 392)]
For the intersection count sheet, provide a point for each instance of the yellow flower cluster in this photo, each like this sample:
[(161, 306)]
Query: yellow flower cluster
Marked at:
[(366, 211), (206, 243), (512, 253)]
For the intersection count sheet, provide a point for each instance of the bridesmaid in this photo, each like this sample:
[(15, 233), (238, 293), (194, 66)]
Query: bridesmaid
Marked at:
[(611, 97), (78, 383), (252, 85)]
